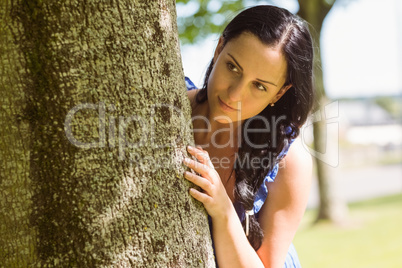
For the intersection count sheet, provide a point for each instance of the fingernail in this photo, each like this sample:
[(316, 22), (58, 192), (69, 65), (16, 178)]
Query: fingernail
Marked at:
[(186, 160), (190, 148)]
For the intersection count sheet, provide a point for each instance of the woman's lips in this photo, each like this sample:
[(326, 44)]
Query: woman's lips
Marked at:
[(225, 106)]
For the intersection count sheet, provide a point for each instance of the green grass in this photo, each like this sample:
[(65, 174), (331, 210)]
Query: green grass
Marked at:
[(372, 237)]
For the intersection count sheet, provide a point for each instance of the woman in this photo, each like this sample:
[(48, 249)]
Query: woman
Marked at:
[(257, 94)]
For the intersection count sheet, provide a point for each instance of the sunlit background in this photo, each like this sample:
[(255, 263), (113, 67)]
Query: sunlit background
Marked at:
[(361, 44)]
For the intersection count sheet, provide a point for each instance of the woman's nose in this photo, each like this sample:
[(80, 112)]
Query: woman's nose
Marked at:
[(236, 91)]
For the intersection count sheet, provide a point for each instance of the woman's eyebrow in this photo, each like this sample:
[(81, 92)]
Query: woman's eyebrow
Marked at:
[(266, 82), (233, 58), (241, 68)]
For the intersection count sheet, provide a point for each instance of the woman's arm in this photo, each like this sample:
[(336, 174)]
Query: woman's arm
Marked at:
[(283, 210), (231, 245), (279, 216)]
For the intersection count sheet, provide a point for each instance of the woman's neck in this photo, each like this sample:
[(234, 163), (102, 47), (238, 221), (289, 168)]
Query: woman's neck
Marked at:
[(211, 133)]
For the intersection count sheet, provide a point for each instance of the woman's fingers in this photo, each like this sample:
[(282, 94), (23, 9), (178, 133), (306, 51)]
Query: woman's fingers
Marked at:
[(212, 193), (201, 155), (202, 197), (205, 182), (199, 181), (198, 167)]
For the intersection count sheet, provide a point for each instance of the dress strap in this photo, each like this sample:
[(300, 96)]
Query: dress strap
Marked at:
[(189, 84)]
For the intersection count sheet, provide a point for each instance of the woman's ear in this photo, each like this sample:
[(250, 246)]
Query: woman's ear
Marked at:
[(280, 93), (218, 48)]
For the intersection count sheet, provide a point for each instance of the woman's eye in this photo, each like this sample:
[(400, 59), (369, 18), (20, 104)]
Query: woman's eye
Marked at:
[(232, 67), (260, 86)]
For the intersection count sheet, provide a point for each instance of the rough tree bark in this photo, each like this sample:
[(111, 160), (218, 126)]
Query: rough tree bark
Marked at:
[(94, 122), (331, 207)]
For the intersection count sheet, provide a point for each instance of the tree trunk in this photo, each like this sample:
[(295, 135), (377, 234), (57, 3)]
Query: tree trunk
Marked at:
[(94, 122), (331, 206)]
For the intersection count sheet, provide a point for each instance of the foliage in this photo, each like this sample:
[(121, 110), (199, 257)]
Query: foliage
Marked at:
[(200, 18)]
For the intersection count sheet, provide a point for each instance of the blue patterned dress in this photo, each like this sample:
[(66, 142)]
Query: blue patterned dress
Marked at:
[(292, 260)]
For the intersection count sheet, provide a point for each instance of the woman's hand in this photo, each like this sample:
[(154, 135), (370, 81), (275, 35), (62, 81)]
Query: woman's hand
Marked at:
[(214, 196)]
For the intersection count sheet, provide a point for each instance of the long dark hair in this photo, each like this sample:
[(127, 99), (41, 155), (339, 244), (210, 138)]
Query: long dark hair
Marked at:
[(273, 26)]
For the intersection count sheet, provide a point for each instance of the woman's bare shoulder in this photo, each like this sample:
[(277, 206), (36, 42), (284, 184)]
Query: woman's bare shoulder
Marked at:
[(293, 181), (283, 210), (297, 159), (294, 176)]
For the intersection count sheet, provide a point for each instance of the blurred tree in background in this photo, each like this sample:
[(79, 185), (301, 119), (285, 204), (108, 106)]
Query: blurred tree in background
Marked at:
[(331, 207), (209, 16)]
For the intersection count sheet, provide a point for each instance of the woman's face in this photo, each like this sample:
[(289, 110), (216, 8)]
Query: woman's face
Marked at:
[(246, 77)]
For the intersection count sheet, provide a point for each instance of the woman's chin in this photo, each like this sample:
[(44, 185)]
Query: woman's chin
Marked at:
[(224, 119)]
